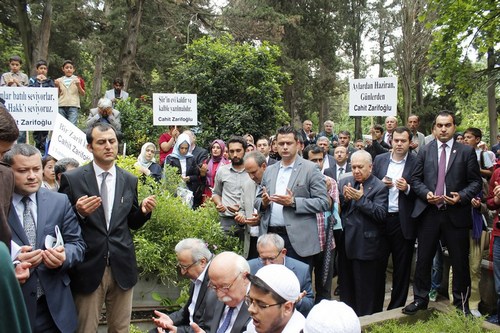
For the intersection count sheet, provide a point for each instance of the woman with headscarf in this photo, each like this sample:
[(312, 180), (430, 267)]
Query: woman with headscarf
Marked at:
[(146, 163), (185, 163), (217, 149)]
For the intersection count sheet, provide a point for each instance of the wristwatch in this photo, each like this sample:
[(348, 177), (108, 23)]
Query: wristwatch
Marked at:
[(293, 202)]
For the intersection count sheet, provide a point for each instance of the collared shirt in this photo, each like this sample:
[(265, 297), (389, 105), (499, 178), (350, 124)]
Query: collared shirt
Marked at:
[(233, 317), (294, 325), (110, 183), (228, 184), (449, 144), (395, 171), (196, 291), (19, 206), (343, 170), (322, 217), (20, 76), (282, 180)]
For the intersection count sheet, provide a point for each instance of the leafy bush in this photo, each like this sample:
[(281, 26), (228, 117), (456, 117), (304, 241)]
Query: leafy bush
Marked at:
[(171, 222)]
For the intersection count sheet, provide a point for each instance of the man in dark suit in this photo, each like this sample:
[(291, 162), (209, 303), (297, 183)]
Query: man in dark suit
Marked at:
[(271, 248), (377, 146), (328, 160), (445, 179), (341, 165), (36, 215), (363, 199), (263, 146), (193, 259), (293, 191), (307, 134), (228, 278), (395, 170), (105, 199)]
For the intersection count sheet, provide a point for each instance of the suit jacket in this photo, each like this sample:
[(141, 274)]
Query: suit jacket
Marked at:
[(203, 309), (363, 220), (101, 242), (247, 200), (377, 148), (462, 176), (110, 94), (196, 182), (113, 118), (405, 201), (301, 270), (331, 160), (6, 190), (52, 209), (332, 171), (240, 324), (309, 189), (271, 161), (200, 155)]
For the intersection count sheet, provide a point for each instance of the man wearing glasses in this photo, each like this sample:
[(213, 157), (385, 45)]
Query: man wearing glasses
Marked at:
[(228, 278), (271, 248), (193, 259), (271, 301)]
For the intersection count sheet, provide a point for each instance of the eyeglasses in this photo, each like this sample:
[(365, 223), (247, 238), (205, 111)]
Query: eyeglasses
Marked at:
[(249, 301), (185, 268), (270, 260), (223, 289)]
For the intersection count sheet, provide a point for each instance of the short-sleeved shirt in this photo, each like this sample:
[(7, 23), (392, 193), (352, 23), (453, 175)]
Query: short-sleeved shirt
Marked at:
[(228, 184)]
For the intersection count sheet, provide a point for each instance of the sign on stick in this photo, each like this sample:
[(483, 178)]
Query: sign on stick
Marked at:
[(373, 97), (68, 141), (175, 109)]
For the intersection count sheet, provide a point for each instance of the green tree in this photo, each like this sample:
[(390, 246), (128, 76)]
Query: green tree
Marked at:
[(239, 86)]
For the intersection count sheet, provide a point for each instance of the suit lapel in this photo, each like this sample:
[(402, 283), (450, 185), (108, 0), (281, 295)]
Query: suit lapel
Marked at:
[(453, 155), (295, 172), (241, 320), (17, 227), (93, 189), (42, 217)]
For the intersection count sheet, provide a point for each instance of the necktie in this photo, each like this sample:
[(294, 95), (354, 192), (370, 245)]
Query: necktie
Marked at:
[(341, 171), (389, 139), (29, 222), (441, 172), (227, 321), (104, 197), (327, 260)]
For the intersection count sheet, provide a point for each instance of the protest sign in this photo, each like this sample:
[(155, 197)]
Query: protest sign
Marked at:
[(68, 141), (175, 109), (373, 96)]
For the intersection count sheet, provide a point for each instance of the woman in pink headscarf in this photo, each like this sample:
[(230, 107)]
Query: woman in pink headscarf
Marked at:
[(217, 159)]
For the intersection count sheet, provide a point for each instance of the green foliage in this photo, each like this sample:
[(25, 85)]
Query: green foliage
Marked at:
[(136, 117), (451, 322), (171, 222), (239, 86)]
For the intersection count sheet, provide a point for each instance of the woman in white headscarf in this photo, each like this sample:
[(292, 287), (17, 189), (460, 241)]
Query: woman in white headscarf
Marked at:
[(184, 161), (146, 162)]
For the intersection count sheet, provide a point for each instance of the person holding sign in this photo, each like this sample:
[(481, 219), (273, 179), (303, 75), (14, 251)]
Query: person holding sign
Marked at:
[(14, 78), (70, 89), (167, 142)]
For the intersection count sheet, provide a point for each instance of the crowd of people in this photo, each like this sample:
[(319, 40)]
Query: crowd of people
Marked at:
[(306, 207)]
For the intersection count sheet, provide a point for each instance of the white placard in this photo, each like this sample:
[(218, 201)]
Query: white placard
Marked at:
[(34, 109), (373, 97), (175, 109), (68, 141)]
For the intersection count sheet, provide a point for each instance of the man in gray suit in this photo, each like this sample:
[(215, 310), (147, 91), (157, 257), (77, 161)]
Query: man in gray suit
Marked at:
[(293, 191)]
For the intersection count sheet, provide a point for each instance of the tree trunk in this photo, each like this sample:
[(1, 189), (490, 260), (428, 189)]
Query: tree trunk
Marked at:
[(492, 107), (25, 30), (129, 46), (97, 79), (41, 44)]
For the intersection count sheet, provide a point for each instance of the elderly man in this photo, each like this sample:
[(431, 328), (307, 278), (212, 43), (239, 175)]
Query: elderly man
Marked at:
[(228, 278), (307, 133), (328, 132), (293, 191), (193, 259), (328, 160), (63, 165), (272, 250), (364, 208), (46, 227), (104, 113), (271, 301), (418, 138)]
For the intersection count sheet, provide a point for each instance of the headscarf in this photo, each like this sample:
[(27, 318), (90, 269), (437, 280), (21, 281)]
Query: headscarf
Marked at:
[(183, 138), (141, 160), (216, 159)]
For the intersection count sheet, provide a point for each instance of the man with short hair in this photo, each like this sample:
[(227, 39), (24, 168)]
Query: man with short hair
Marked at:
[(328, 160), (395, 169), (117, 93), (307, 133), (262, 145), (228, 278), (345, 141), (377, 145), (390, 124), (45, 226), (341, 165), (329, 133), (63, 165), (104, 197), (272, 299), (293, 191), (104, 113), (359, 144), (228, 181), (418, 138), (255, 165), (472, 137), (363, 199), (271, 248), (445, 179), (193, 260)]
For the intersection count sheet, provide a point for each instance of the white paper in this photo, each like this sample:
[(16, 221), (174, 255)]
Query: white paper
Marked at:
[(15, 249), (52, 242)]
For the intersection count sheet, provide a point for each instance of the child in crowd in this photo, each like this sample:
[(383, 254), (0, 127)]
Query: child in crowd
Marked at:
[(70, 89), (14, 78), (41, 81)]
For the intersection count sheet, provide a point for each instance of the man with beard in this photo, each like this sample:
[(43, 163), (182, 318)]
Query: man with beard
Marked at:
[(228, 183)]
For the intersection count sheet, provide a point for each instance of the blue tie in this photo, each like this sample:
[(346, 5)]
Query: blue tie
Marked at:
[(227, 321)]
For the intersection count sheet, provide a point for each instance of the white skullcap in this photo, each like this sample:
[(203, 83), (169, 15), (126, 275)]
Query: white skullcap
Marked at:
[(104, 103), (281, 280), (332, 317)]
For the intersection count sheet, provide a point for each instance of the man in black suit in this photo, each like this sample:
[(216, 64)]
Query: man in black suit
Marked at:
[(193, 259), (363, 199), (445, 179), (262, 145), (377, 146), (341, 165), (105, 199), (395, 170), (307, 133), (228, 278)]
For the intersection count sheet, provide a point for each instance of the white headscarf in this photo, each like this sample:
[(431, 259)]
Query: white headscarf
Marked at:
[(141, 160)]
